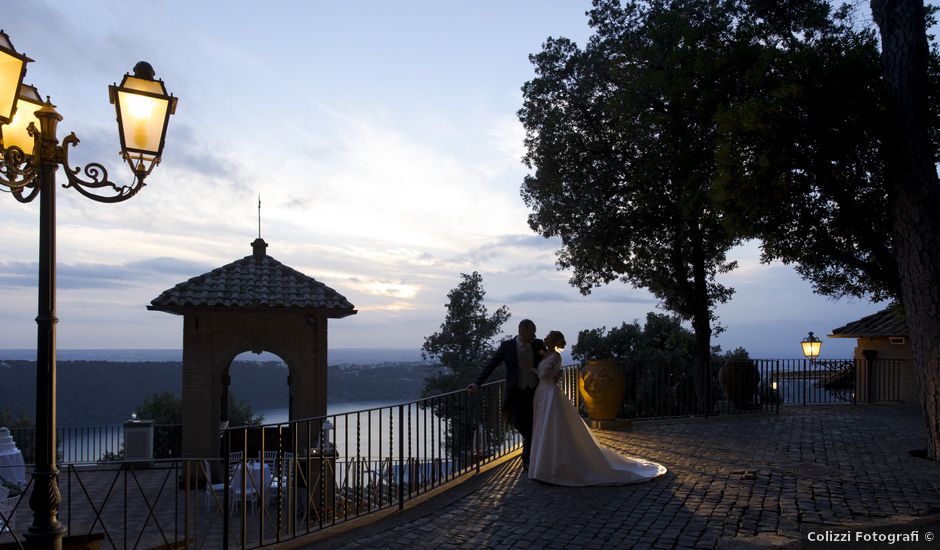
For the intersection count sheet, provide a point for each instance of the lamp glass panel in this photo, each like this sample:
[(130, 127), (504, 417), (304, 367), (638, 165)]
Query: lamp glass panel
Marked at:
[(11, 69), (142, 120), (14, 133), (811, 349), (143, 85)]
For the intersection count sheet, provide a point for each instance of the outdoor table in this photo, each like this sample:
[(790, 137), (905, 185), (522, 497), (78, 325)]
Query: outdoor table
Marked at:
[(12, 467)]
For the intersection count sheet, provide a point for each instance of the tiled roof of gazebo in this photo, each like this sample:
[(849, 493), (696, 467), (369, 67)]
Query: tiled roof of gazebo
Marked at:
[(256, 281), (884, 323)]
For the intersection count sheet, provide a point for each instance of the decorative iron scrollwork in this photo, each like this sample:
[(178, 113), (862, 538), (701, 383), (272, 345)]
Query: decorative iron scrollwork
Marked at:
[(97, 176), (17, 171)]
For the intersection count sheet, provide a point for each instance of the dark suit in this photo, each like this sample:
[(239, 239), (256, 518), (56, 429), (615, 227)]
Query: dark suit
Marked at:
[(517, 401)]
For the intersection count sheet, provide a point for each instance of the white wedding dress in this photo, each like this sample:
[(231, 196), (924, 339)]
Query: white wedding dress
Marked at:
[(564, 452)]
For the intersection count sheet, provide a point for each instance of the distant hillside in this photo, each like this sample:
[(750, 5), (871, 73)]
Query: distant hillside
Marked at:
[(335, 356), (104, 392)]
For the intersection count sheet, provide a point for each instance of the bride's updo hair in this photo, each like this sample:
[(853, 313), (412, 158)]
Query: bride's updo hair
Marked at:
[(554, 339)]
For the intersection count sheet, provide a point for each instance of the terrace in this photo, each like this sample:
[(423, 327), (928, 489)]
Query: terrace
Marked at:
[(443, 469)]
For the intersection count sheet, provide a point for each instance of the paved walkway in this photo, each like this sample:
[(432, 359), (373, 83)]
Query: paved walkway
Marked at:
[(734, 482)]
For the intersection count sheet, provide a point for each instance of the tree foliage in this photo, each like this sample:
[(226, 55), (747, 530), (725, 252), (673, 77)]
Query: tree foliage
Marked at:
[(166, 411), (800, 162), (165, 408), (657, 360), (466, 338), (622, 139)]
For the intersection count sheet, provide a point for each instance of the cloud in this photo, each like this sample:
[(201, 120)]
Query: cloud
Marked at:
[(101, 275), (513, 246), (623, 298), (191, 154), (393, 289), (539, 296), (555, 296)]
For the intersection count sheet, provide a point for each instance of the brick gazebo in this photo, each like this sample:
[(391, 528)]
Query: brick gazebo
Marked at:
[(252, 304)]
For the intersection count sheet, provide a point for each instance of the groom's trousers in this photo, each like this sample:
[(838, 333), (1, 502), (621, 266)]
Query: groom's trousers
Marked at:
[(520, 416)]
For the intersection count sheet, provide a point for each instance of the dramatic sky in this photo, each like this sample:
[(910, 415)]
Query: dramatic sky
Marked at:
[(384, 142)]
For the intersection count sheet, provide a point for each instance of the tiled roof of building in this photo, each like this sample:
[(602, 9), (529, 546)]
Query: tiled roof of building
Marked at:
[(256, 281), (884, 323)]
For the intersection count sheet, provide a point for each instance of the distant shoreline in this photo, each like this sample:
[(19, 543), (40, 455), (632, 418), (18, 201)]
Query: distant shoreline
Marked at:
[(336, 356)]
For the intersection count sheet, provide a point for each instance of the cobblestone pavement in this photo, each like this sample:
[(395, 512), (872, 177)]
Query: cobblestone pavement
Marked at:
[(734, 481)]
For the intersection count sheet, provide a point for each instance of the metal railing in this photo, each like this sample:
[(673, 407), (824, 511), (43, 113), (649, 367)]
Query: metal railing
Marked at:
[(91, 444), (281, 481), (315, 473), (658, 391)]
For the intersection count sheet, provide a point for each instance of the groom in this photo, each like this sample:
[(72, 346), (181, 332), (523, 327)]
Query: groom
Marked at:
[(521, 356)]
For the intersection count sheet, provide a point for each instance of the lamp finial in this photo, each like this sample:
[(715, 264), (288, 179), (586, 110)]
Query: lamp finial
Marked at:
[(144, 70)]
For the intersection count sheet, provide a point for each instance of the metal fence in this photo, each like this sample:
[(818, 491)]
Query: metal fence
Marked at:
[(281, 481), (651, 391), (657, 391), (91, 444)]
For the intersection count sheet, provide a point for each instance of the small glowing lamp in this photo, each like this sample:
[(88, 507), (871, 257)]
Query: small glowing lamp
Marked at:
[(811, 346), (12, 71), (143, 109), (15, 134)]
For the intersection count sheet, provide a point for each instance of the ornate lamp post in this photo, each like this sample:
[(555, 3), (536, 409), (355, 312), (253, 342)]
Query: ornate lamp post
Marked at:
[(811, 346), (31, 155)]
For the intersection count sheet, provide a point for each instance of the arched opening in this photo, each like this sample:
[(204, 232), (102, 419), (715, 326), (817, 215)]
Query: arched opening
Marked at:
[(256, 389)]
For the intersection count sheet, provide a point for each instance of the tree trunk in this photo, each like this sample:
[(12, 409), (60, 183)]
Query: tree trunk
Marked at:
[(701, 323), (912, 177)]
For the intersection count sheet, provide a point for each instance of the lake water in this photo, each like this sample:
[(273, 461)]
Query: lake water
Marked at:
[(364, 428), (278, 415), (372, 428)]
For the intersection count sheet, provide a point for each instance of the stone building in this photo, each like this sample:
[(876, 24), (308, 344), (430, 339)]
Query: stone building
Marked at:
[(253, 304)]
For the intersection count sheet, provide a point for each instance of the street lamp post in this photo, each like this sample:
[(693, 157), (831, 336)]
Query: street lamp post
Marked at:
[(811, 346), (31, 155)]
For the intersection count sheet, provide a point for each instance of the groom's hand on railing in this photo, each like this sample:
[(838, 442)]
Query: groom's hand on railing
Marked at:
[(472, 388)]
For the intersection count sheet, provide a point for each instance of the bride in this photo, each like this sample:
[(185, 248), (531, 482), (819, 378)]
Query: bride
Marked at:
[(564, 452)]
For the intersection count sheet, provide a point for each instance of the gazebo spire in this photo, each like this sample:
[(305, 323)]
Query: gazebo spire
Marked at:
[(258, 245)]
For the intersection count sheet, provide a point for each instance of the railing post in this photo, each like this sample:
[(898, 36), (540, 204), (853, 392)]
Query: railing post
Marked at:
[(401, 458), (227, 492), (778, 393), (803, 384), (188, 476), (481, 445)]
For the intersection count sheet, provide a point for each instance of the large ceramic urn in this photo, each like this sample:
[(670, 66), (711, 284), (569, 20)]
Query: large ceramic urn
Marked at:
[(602, 388), (739, 380)]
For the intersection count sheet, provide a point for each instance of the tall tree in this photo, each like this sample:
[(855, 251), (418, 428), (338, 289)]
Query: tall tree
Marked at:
[(911, 174), (622, 139), (800, 161), (466, 338)]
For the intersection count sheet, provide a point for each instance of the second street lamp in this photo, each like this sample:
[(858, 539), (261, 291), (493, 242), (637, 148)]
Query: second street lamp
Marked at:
[(28, 169), (12, 71), (16, 132), (811, 346)]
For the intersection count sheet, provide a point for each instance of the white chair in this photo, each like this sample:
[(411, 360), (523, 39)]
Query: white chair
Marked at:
[(7, 511), (281, 480), (214, 491), (268, 456), (255, 477)]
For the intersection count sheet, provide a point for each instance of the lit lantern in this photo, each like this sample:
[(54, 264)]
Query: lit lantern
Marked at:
[(811, 346), (12, 71), (143, 110), (15, 133)]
